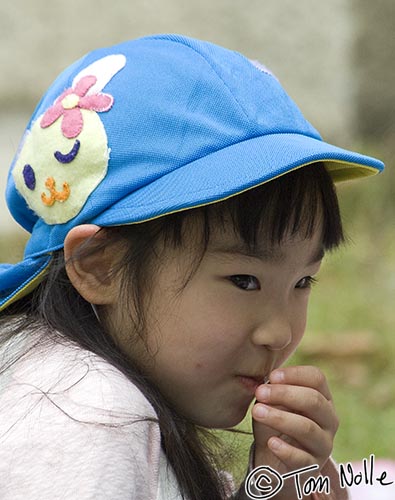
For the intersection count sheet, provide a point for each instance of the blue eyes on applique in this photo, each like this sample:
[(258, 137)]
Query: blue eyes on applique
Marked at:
[(68, 157), (29, 177)]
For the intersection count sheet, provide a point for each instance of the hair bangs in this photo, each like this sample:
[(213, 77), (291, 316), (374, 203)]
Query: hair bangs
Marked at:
[(296, 203)]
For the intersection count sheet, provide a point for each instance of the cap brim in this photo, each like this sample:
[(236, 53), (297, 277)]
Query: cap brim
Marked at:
[(22, 278), (232, 170)]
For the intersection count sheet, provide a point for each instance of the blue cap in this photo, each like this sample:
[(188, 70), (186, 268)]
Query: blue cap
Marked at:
[(147, 128)]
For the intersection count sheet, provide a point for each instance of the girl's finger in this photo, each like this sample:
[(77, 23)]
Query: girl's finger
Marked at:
[(305, 376), (291, 456), (311, 437), (304, 401)]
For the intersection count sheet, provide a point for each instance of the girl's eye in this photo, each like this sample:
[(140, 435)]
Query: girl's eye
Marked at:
[(306, 282), (245, 282)]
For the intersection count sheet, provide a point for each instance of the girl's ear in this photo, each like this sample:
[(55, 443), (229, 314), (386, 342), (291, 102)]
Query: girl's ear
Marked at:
[(91, 275)]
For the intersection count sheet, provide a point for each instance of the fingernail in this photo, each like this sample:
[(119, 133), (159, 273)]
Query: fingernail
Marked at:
[(260, 411), (275, 444), (264, 393), (277, 376)]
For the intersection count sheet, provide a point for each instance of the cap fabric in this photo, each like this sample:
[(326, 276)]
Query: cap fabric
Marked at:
[(150, 127)]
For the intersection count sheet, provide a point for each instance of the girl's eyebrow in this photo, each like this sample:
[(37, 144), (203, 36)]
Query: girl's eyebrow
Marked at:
[(238, 249), (263, 254)]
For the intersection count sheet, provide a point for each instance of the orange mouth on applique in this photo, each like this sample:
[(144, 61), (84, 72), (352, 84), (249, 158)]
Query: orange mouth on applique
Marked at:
[(55, 195)]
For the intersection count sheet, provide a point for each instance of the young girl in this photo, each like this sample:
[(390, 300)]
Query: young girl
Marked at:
[(179, 206)]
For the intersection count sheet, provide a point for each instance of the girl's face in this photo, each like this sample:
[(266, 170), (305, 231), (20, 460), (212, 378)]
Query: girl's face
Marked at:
[(239, 317)]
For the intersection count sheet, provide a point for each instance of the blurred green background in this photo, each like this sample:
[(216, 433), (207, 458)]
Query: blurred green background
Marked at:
[(336, 60)]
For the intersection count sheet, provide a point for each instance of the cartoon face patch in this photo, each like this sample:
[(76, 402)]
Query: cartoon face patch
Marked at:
[(65, 154)]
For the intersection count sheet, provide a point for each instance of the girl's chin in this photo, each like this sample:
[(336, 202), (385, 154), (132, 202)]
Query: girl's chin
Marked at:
[(224, 419)]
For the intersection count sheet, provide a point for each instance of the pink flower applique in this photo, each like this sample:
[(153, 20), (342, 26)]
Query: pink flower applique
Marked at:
[(70, 103)]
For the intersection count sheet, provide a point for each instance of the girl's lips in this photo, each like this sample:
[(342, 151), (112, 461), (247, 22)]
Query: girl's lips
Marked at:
[(250, 383)]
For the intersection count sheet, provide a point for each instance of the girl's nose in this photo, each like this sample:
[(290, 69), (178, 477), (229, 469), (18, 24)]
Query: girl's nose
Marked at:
[(275, 332)]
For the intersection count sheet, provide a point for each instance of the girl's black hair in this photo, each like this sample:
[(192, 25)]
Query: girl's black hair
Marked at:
[(296, 203)]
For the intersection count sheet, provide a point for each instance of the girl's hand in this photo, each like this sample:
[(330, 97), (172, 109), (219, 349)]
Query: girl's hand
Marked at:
[(299, 424)]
